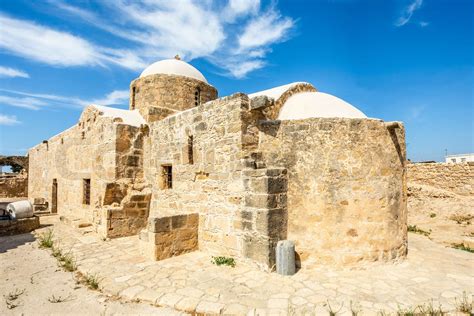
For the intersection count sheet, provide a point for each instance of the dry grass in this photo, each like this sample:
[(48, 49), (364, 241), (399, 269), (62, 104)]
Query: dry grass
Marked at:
[(462, 218), (417, 230), (45, 240), (465, 304), (11, 298)]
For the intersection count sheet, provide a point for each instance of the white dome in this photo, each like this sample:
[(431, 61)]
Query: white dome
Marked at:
[(317, 104), (173, 67)]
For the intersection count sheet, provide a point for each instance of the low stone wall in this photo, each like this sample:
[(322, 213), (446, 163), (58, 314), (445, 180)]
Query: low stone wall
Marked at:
[(14, 186), (458, 178), (170, 236), (20, 226)]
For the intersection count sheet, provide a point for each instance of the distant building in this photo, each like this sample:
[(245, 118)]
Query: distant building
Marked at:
[(459, 158)]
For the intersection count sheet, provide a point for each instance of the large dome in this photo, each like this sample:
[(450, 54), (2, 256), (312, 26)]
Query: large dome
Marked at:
[(173, 67), (317, 104)]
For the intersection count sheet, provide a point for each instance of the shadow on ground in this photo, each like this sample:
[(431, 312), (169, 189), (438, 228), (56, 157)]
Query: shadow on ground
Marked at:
[(11, 242)]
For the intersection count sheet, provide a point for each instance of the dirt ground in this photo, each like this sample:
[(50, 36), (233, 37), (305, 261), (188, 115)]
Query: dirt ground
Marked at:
[(43, 288), (446, 217)]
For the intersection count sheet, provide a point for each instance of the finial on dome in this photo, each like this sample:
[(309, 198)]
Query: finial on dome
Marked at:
[(177, 57)]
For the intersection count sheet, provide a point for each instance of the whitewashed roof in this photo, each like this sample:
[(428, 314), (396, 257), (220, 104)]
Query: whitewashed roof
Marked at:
[(173, 67), (132, 118), (276, 92), (317, 104)]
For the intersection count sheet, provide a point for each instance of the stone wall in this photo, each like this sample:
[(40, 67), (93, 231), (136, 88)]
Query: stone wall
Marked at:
[(213, 182), (158, 96), (18, 226), (104, 151), (458, 178), (14, 185), (346, 187)]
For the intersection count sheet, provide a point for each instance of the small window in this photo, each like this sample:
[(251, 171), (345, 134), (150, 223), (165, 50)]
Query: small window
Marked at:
[(86, 191), (190, 150), (197, 97), (133, 98), (167, 176)]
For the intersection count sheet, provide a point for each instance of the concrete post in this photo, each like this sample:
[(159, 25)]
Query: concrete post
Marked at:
[(285, 257)]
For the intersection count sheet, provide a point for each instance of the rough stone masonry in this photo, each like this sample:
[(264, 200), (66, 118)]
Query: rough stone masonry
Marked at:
[(187, 170)]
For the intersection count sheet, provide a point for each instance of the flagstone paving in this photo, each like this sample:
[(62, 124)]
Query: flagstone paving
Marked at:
[(191, 283)]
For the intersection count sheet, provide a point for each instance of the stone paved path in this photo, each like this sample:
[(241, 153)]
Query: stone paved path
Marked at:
[(192, 283)]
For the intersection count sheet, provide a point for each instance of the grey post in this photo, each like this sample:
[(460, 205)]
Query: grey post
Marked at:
[(285, 257)]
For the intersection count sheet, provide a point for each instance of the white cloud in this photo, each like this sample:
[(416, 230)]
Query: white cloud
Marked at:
[(22, 102), (11, 72), (239, 8), (43, 44), (423, 24), (37, 101), (157, 29), (265, 29), (408, 13), (116, 97), (240, 69), (8, 120)]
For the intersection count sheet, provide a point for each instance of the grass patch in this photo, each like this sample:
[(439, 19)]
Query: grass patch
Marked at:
[(356, 309), (430, 310), (92, 281), (68, 262), (227, 261), (417, 230), (10, 298), (462, 219), (53, 299), (45, 240), (331, 311), (464, 304), (461, 246), (56, 252)]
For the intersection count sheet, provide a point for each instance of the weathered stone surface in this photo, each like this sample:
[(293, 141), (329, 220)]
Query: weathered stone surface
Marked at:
[(346, 188), (14, 185), (334, 186), (19, 226), (455, 177)]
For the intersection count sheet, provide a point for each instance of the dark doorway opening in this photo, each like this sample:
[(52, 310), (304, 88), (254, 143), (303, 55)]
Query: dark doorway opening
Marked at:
[(54, 197)]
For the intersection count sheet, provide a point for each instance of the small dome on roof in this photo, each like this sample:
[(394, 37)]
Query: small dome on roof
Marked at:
[(317, 104), (173, 66)]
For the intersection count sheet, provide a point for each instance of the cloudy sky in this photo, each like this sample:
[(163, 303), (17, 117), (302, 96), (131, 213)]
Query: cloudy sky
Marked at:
[(407, 60)]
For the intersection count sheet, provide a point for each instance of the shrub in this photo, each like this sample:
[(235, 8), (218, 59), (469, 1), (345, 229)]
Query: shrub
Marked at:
[(223, 261), (45, 240), (461, 246), (414, 229)]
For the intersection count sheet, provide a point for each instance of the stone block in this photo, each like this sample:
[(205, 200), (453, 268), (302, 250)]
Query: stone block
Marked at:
[(272, 223), (178, 221), (193, 220), (159, 224), (265, 200)]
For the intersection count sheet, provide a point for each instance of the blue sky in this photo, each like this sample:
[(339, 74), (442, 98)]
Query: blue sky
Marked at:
[(396, 60)]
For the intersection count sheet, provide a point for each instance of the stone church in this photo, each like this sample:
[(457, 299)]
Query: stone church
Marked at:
[(186, 170)]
